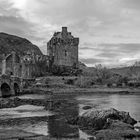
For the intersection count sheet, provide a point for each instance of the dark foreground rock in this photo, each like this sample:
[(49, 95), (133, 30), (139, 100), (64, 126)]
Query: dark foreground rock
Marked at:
[(116, 130), (97, 119), (107, 124)]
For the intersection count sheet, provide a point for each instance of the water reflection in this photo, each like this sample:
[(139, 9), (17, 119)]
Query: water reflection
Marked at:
[(57, 125), (59, 129)]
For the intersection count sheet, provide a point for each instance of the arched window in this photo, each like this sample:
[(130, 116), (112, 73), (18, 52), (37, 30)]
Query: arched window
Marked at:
[(65, 53)]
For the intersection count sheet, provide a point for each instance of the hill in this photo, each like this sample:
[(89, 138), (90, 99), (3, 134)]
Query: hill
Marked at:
[(126, 70), (121, 71), (20, 45)]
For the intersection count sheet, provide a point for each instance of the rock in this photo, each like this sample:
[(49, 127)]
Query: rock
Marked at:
[(116, 130), (87, 107), (108, 124), (97, 119)]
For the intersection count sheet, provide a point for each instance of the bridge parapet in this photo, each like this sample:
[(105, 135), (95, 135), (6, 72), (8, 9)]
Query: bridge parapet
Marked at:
[(5, 79)]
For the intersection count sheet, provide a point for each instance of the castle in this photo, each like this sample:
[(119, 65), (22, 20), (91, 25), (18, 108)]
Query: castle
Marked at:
[(62, 49), (16, 69)]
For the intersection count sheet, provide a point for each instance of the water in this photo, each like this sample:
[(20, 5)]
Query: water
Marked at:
[(24, 111), (129, 103), (55, 126)]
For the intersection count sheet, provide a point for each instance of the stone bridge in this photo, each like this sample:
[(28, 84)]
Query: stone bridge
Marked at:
[(10, 85), (16, 73)]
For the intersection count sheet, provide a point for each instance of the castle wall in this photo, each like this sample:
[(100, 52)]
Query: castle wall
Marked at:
[(27, 69), (17, 70), (66, 55), (0, 68), (27, 66)]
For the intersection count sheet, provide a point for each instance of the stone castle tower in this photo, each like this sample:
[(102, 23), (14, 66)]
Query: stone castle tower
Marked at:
[(62, 49)]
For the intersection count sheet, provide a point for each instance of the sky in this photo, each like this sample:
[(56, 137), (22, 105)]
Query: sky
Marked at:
[(109, 30)]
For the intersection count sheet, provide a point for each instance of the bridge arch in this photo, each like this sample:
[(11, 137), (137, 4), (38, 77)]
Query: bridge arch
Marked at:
[(5, 90)]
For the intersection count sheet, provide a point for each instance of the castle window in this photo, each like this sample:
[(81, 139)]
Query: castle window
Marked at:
[(65, 53)]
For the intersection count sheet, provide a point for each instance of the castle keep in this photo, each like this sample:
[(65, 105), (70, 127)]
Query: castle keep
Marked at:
[(62, 49)]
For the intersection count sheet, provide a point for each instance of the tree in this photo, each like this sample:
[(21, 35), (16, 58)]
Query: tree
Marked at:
[(102, 73), (133, 71)]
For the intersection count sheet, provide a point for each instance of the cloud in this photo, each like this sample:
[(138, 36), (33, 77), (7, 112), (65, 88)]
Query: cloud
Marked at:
[(92, 61), (108, 29), (114, 54)]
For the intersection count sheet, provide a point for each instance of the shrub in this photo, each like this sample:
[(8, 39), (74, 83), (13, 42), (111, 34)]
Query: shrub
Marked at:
[(102, 74), (70, 81), (84, 82), (65, 71)]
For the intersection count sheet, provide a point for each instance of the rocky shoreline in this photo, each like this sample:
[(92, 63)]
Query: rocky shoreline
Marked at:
[(77, 91), (106, 124), (102, 124)]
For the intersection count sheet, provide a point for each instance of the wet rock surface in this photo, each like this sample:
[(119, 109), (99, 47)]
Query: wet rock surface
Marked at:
[(97, 119), (106, 124), (116, 130)]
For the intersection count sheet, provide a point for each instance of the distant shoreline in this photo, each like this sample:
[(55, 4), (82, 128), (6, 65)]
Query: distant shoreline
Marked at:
[(75, 91)]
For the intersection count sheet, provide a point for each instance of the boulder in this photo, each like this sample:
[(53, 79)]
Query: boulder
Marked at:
[(97, 119), (116, 130), (108, 124)]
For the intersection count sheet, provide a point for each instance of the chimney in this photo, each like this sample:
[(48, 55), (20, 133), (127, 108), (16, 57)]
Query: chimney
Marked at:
[(64, 30)]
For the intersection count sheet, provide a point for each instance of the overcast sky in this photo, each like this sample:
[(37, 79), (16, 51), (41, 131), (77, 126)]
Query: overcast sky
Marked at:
[(109, 30)]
